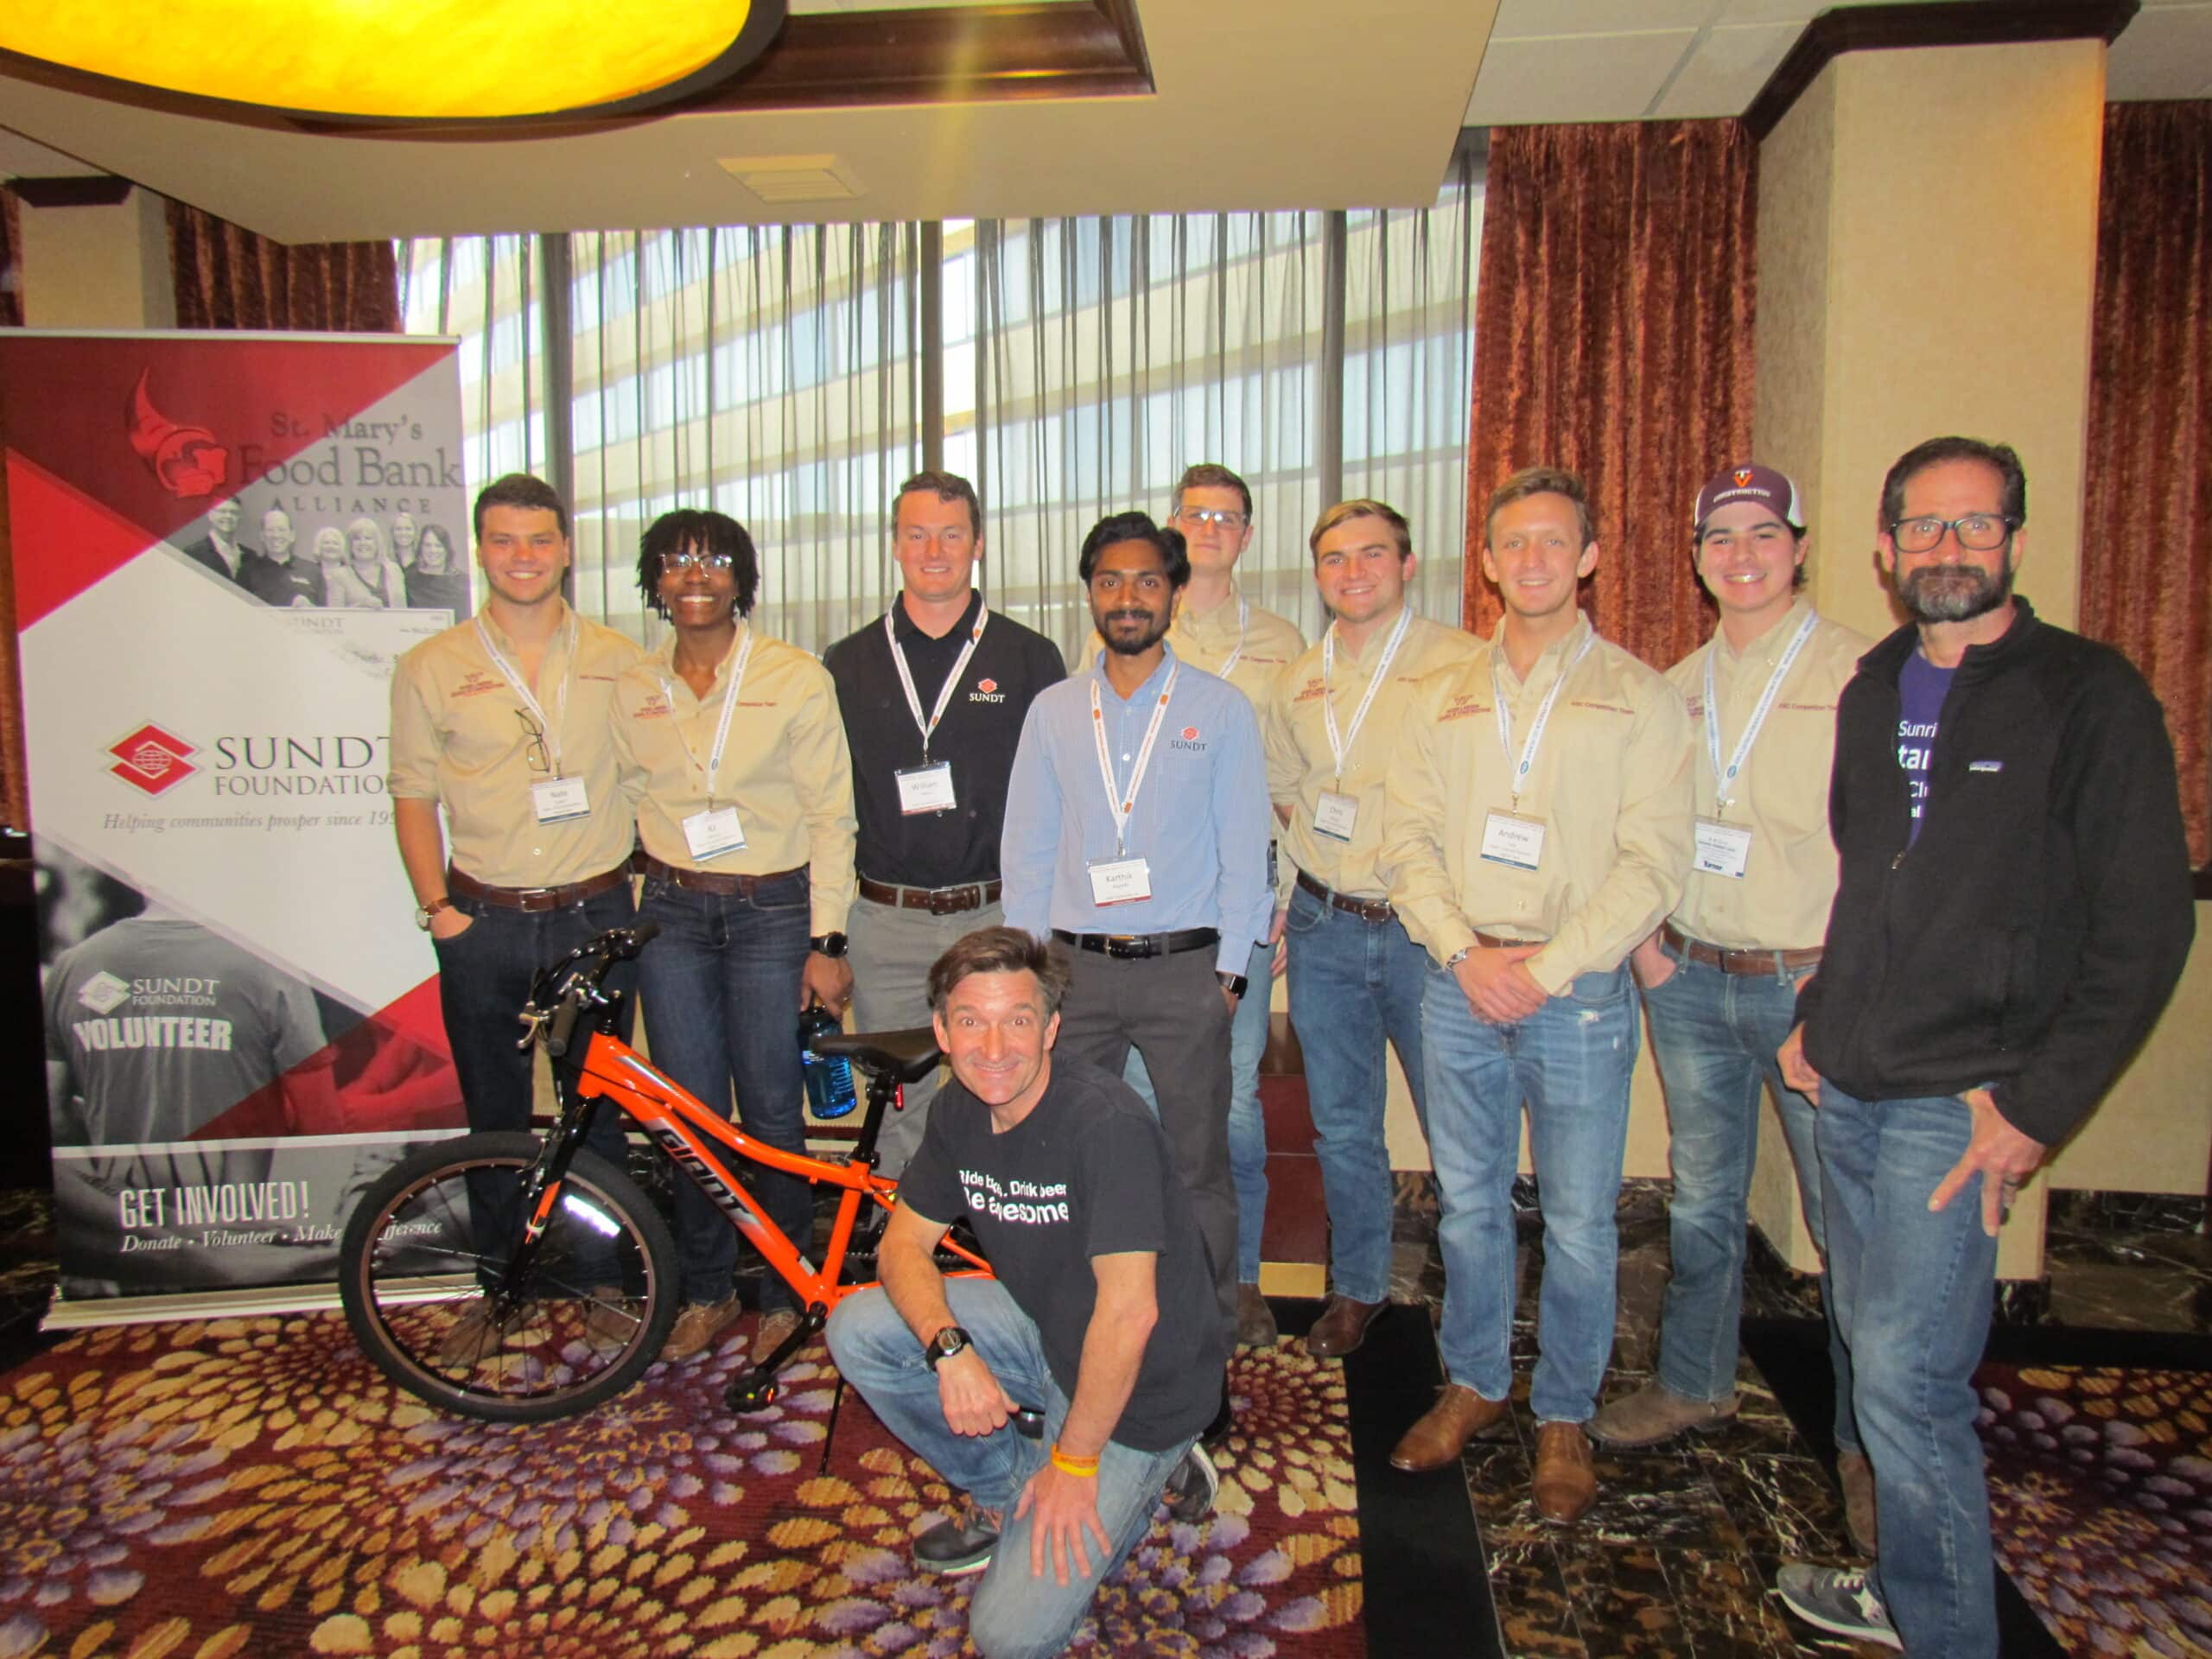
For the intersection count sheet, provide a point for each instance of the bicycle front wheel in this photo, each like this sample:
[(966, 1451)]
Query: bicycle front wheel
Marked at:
[(422, 1274)]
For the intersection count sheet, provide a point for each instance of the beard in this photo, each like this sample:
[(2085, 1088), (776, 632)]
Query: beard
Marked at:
[(1150, 630), (1954, 593)]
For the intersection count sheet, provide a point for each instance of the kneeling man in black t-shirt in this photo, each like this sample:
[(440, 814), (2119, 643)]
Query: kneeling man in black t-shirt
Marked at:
[(1103, 1316)]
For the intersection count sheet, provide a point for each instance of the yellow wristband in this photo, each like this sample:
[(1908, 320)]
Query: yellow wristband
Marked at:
[(1087, 1467)]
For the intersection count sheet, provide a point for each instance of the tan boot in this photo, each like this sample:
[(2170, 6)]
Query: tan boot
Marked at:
[(775, 1324), (697, 1325), (1565, 1483), (1457, 1416), (1657, 1413), (1857, 1476)]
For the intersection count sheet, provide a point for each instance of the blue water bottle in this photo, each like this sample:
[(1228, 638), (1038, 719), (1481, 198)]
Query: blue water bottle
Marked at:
[(828, 1079)]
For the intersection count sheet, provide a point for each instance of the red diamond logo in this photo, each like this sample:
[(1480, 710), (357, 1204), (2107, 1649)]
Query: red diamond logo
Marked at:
[(987, 686), (1189, 733), (152, 760)]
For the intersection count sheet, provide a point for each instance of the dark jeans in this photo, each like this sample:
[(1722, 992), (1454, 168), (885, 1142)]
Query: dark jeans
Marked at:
[(484, 978), (721, 986)]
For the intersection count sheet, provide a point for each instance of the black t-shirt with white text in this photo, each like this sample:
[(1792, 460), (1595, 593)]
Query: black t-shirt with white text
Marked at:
[(1086, 1173)]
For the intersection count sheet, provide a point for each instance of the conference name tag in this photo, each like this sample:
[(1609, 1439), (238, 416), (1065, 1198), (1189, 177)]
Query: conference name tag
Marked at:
[(1722, 848), (558, 800), (713, 832), (1334, 815), (925, 788), (1119, 881), (1508, 838)]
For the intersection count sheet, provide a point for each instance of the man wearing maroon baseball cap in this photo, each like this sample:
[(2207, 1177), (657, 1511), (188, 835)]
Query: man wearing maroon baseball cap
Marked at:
[(1721, 976)]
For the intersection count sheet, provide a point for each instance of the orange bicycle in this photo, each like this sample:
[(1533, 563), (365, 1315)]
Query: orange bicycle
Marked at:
[(507, 1277)]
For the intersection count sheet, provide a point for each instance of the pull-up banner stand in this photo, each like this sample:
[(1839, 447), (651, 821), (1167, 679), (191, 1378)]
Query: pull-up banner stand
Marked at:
[(221, 544)]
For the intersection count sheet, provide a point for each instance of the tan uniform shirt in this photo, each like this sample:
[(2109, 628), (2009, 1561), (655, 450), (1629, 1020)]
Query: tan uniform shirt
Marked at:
[(1612, 785), (786, 767), (1300, 764), (1270, 644), (1780, 902), (457, 738)]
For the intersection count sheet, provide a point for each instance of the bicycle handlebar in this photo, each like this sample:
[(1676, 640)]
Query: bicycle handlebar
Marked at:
[(572, 984)]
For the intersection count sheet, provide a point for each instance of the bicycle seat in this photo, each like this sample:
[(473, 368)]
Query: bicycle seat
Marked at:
[(909, 1056)]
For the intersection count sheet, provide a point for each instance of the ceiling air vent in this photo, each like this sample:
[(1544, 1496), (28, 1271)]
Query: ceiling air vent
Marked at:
[(780, 180)]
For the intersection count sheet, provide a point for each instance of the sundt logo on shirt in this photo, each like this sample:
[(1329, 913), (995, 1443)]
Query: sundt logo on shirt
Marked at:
[(151, 760), (103, 992), (987, 691), (1187, 739)]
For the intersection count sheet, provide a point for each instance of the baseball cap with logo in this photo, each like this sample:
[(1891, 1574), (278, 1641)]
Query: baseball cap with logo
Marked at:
[(1750, 482)]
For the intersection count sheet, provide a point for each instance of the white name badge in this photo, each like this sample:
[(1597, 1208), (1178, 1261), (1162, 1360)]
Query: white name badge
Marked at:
[(713, 832), (559, 799), (1119, 881), (1508, 838), (1334, 815), (1722, 848), (925, 788)]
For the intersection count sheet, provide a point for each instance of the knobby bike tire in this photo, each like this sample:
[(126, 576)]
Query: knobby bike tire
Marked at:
[(599, 1303)]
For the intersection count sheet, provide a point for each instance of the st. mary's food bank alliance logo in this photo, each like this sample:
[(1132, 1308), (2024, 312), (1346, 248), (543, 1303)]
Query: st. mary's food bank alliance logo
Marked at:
[(152, 760)]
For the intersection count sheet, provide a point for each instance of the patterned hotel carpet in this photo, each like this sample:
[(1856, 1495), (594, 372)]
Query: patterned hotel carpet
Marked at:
[(253, 1487)]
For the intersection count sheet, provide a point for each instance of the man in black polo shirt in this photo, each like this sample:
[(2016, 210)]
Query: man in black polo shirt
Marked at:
[(934, 694)]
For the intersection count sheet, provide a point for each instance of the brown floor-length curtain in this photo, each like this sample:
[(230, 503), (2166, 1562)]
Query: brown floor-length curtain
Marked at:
[(1613, 336), (230, 277), (2147, 510)]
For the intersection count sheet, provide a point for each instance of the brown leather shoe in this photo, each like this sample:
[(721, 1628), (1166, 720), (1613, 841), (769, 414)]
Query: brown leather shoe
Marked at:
[(1565, 1483), (1857, 1476), (1341, 1327), (697, 1325), (1457, 1416)]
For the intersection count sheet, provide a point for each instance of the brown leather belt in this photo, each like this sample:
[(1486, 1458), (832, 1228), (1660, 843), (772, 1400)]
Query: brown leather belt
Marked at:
[(938, 901), (531, 900), (723, 885), (1367, 910), (1126, 946), (1736, 962), (1499, 942)]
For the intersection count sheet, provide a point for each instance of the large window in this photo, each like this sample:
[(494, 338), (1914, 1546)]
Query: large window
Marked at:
[(778, 373)]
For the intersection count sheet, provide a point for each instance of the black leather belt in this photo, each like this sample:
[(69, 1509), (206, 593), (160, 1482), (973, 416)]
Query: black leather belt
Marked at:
[(721, 884), (1128, 946)]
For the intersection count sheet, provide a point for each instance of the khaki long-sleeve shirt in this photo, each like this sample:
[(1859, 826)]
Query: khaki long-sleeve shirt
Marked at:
[(785, 767), (1301, 765), (1611, 785), (1268, 643), (1780, 902), (458, 737)]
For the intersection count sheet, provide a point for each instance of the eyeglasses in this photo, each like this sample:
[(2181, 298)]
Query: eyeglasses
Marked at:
[(1978, 532), (689, 559), (540, 757), (1221, 515)]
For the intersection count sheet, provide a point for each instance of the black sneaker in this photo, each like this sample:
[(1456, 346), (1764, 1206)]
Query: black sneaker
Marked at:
[(1839, 1600), (963, 1544), (1193, 1487)]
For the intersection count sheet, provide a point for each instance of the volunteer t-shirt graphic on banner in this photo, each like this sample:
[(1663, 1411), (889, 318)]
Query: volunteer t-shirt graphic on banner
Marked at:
[(222, 543)]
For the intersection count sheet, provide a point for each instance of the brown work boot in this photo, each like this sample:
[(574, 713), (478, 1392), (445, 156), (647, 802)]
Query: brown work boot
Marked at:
[(697, 1325), (1457, 1416), (1256, 1320), (1341, 1327), (1565, 1483), (1857, 1478), (1657, 1413)]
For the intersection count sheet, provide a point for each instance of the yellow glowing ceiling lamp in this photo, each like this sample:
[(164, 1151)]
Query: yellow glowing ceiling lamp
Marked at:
[(441, 60)]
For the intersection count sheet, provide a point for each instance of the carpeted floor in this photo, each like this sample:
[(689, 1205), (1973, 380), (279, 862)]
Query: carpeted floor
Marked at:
[(253, 1487)]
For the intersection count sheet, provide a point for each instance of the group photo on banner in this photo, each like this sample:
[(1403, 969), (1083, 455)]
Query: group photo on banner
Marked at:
[(223, 543)]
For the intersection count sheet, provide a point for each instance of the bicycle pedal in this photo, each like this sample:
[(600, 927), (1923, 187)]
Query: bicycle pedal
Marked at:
[(752, 1390)]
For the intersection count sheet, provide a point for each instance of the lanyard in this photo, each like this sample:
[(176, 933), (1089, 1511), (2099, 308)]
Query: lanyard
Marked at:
[(1116, 802), (713, 762), (1340, 747), (551, 729), (1725, 777), (1543, 717), (1243, 622), (928, 727)]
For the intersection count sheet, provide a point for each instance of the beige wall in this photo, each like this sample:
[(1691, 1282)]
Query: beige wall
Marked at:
[(98, 267)]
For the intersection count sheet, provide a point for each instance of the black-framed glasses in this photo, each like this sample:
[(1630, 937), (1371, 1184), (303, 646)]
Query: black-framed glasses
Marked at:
[(1978, 532), (1222, 516), (687, 559), (540, 757)]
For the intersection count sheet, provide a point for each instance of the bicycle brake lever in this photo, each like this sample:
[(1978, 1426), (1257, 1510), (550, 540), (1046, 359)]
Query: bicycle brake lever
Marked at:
[(535, 1018)]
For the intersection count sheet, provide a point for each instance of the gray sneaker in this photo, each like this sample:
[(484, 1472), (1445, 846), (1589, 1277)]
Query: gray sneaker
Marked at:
[(963, 1542), (1655, 1413), (1193, 1487), (1837, 1600)]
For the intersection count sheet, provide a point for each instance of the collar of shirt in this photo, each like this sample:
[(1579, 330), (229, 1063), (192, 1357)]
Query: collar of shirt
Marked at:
[(664, 663), (1549, 660), (1144, 695), (1766, 650), (502, 638), (1361, 658), (1217, 626), (905, 629)]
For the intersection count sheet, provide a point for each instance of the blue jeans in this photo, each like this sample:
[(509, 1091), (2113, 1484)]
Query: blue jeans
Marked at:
[(1247, 1125), (1714, 1035), (1571, 1061), (1355, 985), (721, 986), (1012, 1612), (1913, 1289)]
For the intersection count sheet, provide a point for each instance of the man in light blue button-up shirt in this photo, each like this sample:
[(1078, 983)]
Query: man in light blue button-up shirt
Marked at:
[(1136, 834)]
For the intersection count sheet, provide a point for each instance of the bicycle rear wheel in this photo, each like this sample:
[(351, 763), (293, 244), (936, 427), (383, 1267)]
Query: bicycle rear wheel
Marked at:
[(426, 1252)]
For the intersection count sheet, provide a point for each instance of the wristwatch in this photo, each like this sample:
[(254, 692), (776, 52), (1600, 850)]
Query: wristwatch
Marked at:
[(831, 945), (1234, 984), (949, 1341), (423, 912)]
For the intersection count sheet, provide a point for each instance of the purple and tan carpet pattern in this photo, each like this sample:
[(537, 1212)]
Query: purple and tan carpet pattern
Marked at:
[(2100, 1489), (254, 1487)]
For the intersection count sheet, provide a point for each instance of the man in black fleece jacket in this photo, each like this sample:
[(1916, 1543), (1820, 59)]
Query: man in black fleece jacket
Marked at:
[(1975, 999)]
